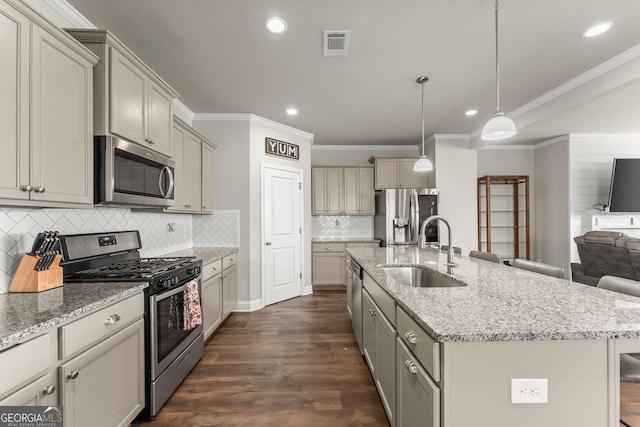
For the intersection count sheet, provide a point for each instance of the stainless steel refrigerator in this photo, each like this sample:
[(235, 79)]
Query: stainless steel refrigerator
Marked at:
[(399, 213)]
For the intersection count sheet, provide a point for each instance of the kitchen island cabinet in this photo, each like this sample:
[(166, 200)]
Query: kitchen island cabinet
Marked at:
[(46, 112), (459, 348)]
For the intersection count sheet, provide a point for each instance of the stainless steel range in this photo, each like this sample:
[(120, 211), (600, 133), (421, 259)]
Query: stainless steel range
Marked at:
[(173, 329)]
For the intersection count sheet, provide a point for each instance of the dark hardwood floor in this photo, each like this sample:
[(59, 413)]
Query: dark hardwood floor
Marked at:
[(294, 363)]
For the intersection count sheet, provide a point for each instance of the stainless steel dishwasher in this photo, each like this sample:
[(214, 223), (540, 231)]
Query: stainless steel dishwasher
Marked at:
[(356, 301)]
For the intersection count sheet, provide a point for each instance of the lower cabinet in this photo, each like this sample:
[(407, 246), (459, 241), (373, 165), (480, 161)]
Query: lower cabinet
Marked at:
[(41, 392), (328, 268), (418, 397), (211, 297), (104, 386), (229, 285), (379, 339)]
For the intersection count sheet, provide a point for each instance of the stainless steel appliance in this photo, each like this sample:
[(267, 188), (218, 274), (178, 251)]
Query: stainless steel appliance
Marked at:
[(172, 347), (356, 302), (129, 174), (399, 213)]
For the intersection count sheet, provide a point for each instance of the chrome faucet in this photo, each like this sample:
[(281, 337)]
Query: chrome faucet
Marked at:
[(423, 240)]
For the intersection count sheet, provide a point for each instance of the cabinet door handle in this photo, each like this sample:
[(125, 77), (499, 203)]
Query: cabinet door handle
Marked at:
[(39, 189), (50, 389), (26, 188), (112, 319), (73, 375), (411, 367), (411, 337), (214, 269)]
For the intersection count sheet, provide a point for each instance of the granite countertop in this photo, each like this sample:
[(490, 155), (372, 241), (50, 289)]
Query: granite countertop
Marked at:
[(502, 303), (24, 315), (344, 240), (207, 255)]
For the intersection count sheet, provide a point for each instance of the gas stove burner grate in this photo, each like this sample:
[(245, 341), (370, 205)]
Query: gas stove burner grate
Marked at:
[(140, 268)]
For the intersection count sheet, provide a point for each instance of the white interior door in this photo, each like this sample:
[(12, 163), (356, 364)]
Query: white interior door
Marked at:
[(282, 227)]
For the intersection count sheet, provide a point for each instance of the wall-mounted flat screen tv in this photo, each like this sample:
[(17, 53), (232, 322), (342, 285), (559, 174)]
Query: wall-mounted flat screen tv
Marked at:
[(624, 192)]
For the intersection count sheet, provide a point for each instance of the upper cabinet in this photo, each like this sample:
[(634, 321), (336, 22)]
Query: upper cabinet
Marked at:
[(340, 191), (46, 106), (130, 99), (399, 173), (194, 157)]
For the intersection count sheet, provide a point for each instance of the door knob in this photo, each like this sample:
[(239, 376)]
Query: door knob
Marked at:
[(267, 243)]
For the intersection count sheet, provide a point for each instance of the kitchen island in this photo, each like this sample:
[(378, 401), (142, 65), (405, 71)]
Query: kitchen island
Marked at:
[(504, 324)]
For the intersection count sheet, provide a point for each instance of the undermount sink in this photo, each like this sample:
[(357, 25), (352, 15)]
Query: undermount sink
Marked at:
[(419, 276)]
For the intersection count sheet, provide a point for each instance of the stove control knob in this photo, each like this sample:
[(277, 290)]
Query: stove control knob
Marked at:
[(190, 271), (174, 280)]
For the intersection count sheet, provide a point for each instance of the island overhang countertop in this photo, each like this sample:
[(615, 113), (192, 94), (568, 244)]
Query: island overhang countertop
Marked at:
[(501, 303)]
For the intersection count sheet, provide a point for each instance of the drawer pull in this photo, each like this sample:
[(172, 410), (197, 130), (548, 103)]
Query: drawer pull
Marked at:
[(49, 389), (214, 269), (112, 319), (410, 336), (73, 375), (411, 367), (328, 248)]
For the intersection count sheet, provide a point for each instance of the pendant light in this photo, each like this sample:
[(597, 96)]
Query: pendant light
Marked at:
[(500, 126), (422, 164)]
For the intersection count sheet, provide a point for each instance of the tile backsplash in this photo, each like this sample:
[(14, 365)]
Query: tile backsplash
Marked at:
[(19, 226), (341, 226)]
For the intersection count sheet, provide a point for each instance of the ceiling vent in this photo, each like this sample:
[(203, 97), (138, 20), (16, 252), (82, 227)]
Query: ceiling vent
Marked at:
[(336, 43)]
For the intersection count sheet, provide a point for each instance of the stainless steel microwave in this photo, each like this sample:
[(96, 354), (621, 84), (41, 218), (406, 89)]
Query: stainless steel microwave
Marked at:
[(129, 174)]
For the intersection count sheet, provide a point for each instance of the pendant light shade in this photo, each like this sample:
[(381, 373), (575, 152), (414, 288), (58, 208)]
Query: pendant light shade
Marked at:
[(422, 164), (499, 127)]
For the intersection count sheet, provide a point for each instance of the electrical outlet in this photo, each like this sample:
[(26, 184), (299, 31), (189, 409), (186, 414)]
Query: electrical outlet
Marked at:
[(171, 227), (529, 390)]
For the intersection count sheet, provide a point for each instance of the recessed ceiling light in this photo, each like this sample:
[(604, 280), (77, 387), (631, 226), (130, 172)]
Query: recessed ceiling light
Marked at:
[(471, 112), (276, 25), (598, 29), (292, 111)]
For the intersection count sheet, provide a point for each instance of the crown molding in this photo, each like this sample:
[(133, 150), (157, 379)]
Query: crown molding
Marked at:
[(451, 137), (70, 13), (552, 141), (507, 147), (182, 111), (600, 136), (252, 118)]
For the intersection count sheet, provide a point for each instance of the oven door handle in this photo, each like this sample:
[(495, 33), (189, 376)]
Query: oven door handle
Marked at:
[(167, 170), (168, 294)]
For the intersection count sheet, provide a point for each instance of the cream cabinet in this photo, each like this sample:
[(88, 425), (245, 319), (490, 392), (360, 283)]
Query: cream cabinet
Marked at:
[(211, 297), (208, 178), (229, 284), (379, 338), (418, 397), (328, 267), (359, 195), (194, 157), (26, 375), (342, 191), (102, 369), (399, 173), (130, 100), (104, 386), (45, 112), (326, 191)]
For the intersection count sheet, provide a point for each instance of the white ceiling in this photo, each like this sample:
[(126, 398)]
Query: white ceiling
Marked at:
[(218, 55)]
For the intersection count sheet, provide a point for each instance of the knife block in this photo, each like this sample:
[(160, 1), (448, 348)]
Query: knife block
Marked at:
[(27, 279)]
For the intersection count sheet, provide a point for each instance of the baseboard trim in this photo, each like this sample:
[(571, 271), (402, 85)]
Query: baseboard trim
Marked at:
[(307, 290), (247, 306)]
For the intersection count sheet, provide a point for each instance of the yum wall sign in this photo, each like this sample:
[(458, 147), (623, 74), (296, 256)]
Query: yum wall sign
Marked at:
[(281, 148)]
